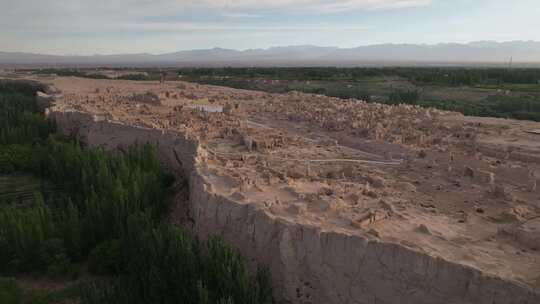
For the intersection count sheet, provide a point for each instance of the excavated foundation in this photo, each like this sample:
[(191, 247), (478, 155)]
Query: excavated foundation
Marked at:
[(307, 264)]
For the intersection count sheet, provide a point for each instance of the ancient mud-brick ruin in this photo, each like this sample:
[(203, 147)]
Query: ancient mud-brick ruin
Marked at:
[(344, 201)]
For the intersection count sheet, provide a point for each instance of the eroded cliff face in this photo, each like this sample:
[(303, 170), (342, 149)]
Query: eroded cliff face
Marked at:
[(308, 264)]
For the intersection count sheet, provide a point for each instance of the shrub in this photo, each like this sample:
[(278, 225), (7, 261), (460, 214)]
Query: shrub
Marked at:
[(10, 293), (105, 259)]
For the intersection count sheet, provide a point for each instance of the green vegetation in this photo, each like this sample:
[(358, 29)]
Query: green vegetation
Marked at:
[(19, 122), (10, 292), (491, 92), (440, 76), (72, 73), (87, 210), (162, 264), (151, 74), (13, 292), (404, 96), (526, 107), (20, 188)]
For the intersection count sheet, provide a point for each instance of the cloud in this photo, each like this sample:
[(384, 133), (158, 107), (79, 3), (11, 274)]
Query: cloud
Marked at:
[(21, 18), (240, 15), (240, 8), (315, 5), (179, 27), (60, 16), (190, 26)]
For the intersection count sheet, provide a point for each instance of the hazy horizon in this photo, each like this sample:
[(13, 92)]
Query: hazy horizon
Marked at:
[(79, 27), (289, 46)]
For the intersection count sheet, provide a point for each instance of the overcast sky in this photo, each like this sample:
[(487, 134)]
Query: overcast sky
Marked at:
[(159, 26)]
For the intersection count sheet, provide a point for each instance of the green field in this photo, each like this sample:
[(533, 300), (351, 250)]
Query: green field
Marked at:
[(513, 87)]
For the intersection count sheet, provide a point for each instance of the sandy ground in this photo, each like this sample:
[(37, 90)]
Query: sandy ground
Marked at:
[(462, 188)]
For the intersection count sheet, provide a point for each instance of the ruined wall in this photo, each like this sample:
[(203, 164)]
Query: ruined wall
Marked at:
[(308, 265)]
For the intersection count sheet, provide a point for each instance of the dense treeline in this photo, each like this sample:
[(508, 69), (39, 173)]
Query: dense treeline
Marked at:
[(72, 73), (19, 122), (98, 191), (152, 74), (404, 96), (106, 216), (165, 265), (442, 76), (22, 129), (473, 77), (448, 76)]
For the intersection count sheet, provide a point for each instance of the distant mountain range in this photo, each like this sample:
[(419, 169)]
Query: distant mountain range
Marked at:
[(481, 52)]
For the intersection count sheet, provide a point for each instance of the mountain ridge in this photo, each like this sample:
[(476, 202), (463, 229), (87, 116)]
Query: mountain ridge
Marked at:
[(473, 52)]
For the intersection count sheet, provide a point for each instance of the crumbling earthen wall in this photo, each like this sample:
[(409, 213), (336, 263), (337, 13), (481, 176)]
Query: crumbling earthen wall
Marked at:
[(308, 264)]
